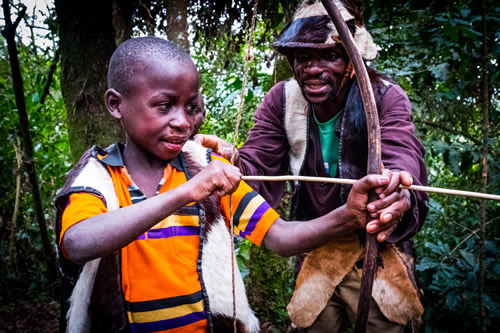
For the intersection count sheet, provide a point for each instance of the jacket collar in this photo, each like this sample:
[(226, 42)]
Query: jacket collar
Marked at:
[(112, 156)]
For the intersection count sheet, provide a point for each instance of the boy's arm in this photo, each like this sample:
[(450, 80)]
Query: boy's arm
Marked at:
[(292, 238), (106, 233)]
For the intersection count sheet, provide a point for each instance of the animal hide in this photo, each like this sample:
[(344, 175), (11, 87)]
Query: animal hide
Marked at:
[(98, 285), (216, 262), (322, 271), (326, 267)]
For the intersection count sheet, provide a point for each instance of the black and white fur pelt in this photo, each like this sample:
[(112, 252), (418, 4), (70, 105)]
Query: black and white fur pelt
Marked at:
[(216, 261), (95, 302)]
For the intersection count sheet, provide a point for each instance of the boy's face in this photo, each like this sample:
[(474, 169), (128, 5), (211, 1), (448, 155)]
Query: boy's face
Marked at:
[(162, 109)]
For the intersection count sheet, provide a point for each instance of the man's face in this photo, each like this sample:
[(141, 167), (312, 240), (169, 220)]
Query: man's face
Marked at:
[(319, 73), (162, 110)]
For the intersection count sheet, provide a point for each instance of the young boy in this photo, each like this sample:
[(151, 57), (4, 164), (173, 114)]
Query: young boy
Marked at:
[(142, 242)]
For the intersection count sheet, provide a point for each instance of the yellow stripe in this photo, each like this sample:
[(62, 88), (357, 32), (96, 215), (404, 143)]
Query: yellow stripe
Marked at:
[(178, 220), (249, 210), (164, 314)]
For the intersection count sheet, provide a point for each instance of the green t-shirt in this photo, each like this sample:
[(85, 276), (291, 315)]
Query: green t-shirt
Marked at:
[(329, 143)]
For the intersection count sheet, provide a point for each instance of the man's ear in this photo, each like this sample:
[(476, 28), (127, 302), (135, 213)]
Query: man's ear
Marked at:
[(113, 100)]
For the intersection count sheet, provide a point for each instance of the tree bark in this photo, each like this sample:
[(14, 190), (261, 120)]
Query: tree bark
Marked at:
[(177, 27), (87, 41), (485, 99)]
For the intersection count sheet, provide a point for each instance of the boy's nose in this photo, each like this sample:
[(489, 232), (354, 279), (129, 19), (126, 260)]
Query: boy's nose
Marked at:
[(180, 120)]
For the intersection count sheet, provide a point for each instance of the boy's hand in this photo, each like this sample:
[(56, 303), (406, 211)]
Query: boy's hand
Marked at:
[(217, 178), (393, 202), (219, 146)]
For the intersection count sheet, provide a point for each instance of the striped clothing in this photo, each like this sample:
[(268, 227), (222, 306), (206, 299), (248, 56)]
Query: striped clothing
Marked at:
[(160, 278)]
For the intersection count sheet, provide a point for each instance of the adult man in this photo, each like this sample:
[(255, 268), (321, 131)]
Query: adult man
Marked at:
[(314, 125)]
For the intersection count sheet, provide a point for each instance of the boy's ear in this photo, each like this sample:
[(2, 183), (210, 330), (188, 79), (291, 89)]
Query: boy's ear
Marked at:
[(113, 100)]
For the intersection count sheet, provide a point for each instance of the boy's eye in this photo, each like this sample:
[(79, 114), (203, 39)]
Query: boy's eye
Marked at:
[(193, 109), (164, 106)]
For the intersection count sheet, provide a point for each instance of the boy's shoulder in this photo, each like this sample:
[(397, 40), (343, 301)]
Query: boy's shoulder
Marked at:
[(90, 175)]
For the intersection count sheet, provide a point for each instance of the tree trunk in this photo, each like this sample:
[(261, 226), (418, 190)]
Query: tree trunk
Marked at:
[(89, 32), (485, 99), (177, 27)]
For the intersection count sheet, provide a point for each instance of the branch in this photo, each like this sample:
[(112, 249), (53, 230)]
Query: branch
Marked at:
[(50, 75), (472, 233), (449, 130)]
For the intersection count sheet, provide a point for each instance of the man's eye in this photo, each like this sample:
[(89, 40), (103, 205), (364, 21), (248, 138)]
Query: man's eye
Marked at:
[(301, 56), (331, 56)]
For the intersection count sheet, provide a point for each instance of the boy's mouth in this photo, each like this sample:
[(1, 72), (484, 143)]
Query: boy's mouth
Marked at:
[(174, 143)]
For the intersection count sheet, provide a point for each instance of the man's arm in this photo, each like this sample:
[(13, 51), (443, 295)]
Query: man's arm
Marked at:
[(291, 238), (401, 150)]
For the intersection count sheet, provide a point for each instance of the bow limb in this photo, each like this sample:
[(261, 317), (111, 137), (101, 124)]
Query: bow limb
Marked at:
[(374, 158)]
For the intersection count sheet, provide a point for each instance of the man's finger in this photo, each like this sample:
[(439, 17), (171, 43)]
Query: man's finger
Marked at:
[(383, 235), (206, 141), (368, 182), (406, 178)]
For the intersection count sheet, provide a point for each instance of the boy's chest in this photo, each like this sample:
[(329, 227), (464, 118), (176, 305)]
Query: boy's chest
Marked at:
[(148, 184)]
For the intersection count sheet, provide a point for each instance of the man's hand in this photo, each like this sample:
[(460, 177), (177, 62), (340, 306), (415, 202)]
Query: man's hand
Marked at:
[(219, 146), (217, 178), (393, 202), (358, 197)]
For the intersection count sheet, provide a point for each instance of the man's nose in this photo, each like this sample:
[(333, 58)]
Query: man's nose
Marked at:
[(313, 67)]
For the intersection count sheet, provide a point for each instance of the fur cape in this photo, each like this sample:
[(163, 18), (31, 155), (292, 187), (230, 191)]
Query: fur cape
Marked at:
[(91, 294), (395, 289)]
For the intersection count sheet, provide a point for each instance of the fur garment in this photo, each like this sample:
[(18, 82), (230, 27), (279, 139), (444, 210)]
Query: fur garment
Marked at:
[(90, 289)]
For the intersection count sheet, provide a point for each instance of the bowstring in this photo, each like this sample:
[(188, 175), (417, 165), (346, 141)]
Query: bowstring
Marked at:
[(248, 57)]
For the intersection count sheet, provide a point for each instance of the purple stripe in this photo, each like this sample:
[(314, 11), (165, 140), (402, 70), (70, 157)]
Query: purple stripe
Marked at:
[(168, 323), (172, 232), (256, 216)]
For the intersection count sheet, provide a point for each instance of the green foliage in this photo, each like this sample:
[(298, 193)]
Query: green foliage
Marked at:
[(221, 70), (431, 48), (24, 273), (269, 283)]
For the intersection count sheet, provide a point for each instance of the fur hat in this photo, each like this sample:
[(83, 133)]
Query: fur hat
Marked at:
[(312, 28)]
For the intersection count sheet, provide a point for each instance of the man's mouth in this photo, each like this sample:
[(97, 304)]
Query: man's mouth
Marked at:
[(315, 87)]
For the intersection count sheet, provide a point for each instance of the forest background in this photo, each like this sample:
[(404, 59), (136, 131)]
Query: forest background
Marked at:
[(445, 54)]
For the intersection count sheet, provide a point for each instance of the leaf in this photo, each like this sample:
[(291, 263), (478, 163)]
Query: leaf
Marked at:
[(230, 98), (440, 72), (451, 32), (426, 263), (452, 299)]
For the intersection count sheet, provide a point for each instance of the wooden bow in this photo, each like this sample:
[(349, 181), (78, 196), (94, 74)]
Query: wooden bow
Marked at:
[(374, 158)]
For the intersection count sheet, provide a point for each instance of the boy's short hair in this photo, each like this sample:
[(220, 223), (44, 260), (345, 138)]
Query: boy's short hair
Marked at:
[(128, 59)]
